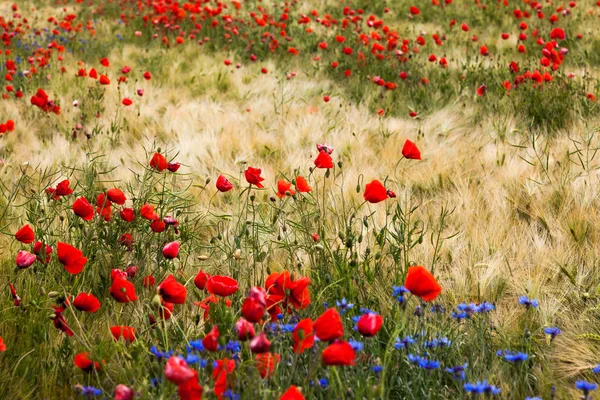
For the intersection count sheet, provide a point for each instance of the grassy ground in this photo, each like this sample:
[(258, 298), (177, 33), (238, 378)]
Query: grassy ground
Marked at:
[(503, 204)]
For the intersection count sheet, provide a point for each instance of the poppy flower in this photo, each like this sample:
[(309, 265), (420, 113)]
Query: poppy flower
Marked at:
[(220, 373), (40, 249), (127, 102), (25, 234), (369, 324), (104, 62), (60, 322), (148, 281), (260, 344), (83, 362), (302, 185), (339, 353), (254, 306), (284, 188), (223, 185), (221, 285), (14, 295), (172, 291), (303, 336), (292, 394), (71, 257), (211, 340), (266, 363), (127, 214), (63, 189), (25, 259), (86, 302), (177, 371), (117, 273), (421, 283), (122, 290), (328, 327), (558, 34), (173, 167), (116, 196), (253, 177), (481, 90), (410, 151), (323, 160), (375, 192), (191, 389), (158, 162), (147, 212), (171, 250), (104, 80), (123, 392), (82, 208), (157, 226), (414, 10), (126, 332), (2, 345), (244, 329)]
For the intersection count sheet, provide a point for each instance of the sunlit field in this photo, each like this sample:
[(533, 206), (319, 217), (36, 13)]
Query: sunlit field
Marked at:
[(299, 200)]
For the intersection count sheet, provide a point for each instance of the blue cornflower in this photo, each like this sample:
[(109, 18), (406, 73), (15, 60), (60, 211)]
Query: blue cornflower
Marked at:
[(586, 387), (459, 316), (323, 382), (428, 364), (155, 381), (468, 309), (515, 357), (280, 316), (527, 302), (344, 305), (357, 346), (203, 363), (228, 394), (287, 328), (533, 398), (196, 345), (437, 308), (160, 354), (413, 359), (481, 387), (596, 369), (233, 346), (441, 342), (398, 292), (553, 331), (404, 343), (377, 368), (90, 391), (458, 371), (192, 359), (485, 307)]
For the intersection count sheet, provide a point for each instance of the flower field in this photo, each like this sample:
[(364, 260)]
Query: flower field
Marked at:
[(249, 199)]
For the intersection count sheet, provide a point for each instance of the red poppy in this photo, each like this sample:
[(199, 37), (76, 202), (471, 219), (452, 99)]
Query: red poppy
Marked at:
[(171, 250), (260, 344), (25, 259), (201, 279), (93, 73), (369, 324), (82, 208), (410, 151), (104, 61), (122, 290), (2, 345), (302, 185), (421, 283), (211, 340), (481, 90), (414, 10), (123, 392), (284, 188), (244, 329), (324, 160), (221, 285), (86, 302), (172, 291), (104, 207), (147, 212), (117, 273), (148, 281), (339, 353), (375, 192), (177, 371), (223, 185), (62, 189), (104, 80), (328, 327), (127, 214), (303, 336), (83, 362), (14, 295), (126, 332), (166, 310), (60, 322), (25, 234), (282, 291), (266, 363), (558, 34), (254, 306), (292, 394), (157, 226), (191, 389), (253, 177), (127, 102), (71, 257), (127, 240), (116, 196), (158, 162), (223, 369)]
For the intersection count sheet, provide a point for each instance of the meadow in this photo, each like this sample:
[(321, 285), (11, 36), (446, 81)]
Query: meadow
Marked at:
[(299, 200)]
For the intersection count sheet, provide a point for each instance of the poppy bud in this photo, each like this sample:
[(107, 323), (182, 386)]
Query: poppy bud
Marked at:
[(53, 294), (156, 301), (319, 247), (202, 257), (260, 344), (340, 164), (237, 254)]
